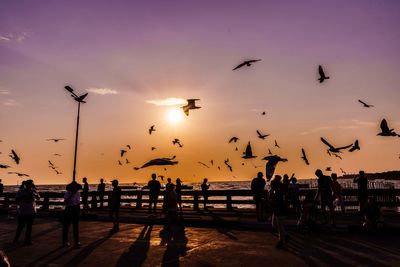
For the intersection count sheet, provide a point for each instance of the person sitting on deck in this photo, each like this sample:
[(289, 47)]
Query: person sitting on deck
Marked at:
[(362, 184), (372, 214), (325, 192), (259, 195), (71, 213), (101, 188), (154, 190), (204, 190), (308, 213), (115, 202)]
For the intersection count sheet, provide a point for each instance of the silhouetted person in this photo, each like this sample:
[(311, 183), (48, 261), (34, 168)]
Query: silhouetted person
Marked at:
[(325, 193), (168, 188), (372, 214), (285, 185), (154, 190), (257, 189), (72, 200), (337, 192), (1, 188), (293, 194), (178, 190), (4, 262), (85, 194), (115, 203), (362, 183), (101, 188), (171, 205), (26, 198), (204, 190), (279, 210)]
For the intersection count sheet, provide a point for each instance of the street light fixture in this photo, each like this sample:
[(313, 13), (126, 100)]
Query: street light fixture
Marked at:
[(79, 99)]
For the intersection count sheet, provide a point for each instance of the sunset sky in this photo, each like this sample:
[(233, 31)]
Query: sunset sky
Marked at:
[(132, 55)]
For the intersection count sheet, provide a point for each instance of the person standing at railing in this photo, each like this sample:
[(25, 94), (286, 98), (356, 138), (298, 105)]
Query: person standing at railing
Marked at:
[(115, 203), (168, 188), (204, 190), (362, 184), (101, 188), (154, 191), (178, 190), (26, 198), (324, 191), (258, 191), (85, 194), (72, 199)]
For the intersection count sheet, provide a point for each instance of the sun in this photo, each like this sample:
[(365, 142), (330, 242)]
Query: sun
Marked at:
[(174, 115)]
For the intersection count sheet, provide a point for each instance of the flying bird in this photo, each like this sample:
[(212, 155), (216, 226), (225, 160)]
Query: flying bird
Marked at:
[(226, 162), (177, 141), (57, 172), (343, 172), (127, 161), (128, 146), (334, 149), (304, 156), (338, 156), (3, 166), (261, 136), (276, 144), (212, 162), (55, 140), (263, 113), (152, 129), (247, 63), (271, 165), (191, 104), (365, 104), (385, 131), (122, 152), (160, 162), (119, 162), (219, 168), (19, 174), (322, 75), (56, 154), (136, 168), (233, 139), (201, 163), (248, 153), (328, 169), (354, 147), (152, 148), (51, 163), (15, 156)]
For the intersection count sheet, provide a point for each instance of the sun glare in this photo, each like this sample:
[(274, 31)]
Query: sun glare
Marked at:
[(174, 115)]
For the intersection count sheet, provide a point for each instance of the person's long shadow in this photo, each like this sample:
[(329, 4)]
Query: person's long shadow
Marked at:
[(137, 252), (176, 241)]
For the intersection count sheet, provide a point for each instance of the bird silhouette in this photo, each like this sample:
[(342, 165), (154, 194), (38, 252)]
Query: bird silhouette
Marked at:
[(328, 169), (333, 149), (261, 136), (191, 104), (57, 172), (270, 166), (128, 146), (269, 152), (160, 162), (322, 75), (219, 168), (152, 129), (248, 153), (19, 174), (55, 140), (15, 156), (127, 161), (343, 172), (212, 162), (275, 158), (56, 154), (276, 144), (365, 104), (233, 139), (338, 156), (122, 152), (226, 162), (354, 147), (385, 131), (304, 156), (201, 163), (177, 141), (263, 113), (51, 163), (136, 168), (247, 63), (3, 166), (119, 162), (236, 149), (152, 148)]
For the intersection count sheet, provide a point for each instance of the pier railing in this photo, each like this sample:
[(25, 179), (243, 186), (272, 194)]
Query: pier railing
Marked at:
[(225, 199)]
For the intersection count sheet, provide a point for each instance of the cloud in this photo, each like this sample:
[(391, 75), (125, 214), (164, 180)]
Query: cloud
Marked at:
[(4, 92), (343, 124), (102, 91), (11, 103), (4, 38), (15, 37), (170, 101)]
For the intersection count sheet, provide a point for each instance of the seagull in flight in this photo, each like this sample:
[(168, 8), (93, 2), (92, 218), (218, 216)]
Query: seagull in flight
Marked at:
[(19, 174), (261, 136), (385, 131), (304, 156), (15, 156), (201, 163), (160, 162), (152, 148), (276, 144), (122, 152), (3, 166), (177, 141), (334, 149), (128, 146), (127, 161), (365, 104), (152, 129), (191, 104), (248, 153), (263, 113), (322, 75), (55, 140), (233, 139), (226, 162), (354, 147), (56, 154), (328, 169), (269, 152), (247, 63), (119, 162)]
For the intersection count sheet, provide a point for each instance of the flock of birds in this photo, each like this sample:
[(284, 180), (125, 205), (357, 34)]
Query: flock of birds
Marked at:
[(272, 159)]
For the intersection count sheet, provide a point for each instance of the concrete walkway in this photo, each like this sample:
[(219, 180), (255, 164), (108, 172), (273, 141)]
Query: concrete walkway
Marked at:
[(146, 245)]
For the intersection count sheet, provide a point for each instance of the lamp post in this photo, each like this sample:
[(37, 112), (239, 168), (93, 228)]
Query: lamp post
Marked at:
[(78, 99)]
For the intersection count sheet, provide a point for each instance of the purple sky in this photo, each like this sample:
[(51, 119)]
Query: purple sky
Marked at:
[(146, 50)]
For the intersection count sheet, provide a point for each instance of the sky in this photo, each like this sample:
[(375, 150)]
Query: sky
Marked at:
[(130, 56)]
